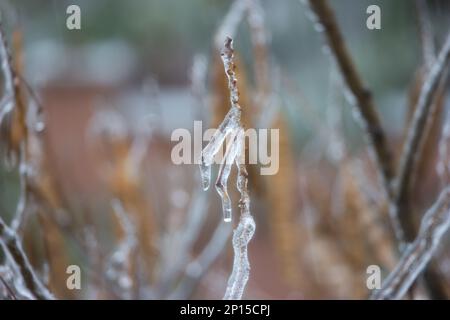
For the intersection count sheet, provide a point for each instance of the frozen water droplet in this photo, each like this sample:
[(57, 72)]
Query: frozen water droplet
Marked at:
[(40, 126)]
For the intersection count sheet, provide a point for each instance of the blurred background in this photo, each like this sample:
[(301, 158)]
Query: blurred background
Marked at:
[(105, 195)]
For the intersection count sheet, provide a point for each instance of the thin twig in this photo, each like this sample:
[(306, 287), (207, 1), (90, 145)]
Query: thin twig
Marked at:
[(364, 101), (435, 224), (13, 101)]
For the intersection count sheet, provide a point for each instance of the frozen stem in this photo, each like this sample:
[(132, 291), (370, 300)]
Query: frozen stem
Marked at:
[(241, 237), (7, 100), (415, 138), (232, 127), (119, 268), (12, 247), (434, 224), (14, 101)]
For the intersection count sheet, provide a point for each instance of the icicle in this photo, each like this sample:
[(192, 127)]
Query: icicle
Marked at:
[(417, 255), (224, 173), (229, 125)]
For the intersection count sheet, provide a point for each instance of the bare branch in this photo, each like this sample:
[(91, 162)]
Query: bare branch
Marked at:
[(364, 101), (119, 269)]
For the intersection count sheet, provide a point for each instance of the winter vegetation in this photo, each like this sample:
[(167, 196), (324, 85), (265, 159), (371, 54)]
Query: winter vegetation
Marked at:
[(93, 207)]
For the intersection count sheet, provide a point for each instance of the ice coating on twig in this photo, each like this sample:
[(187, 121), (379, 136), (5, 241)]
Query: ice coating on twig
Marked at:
[(224, 173), (229, 124), (241, 236), (232, 128), (417, 255), (241, 266), (7, 101), (118, 268), (443, 162), (18, 260), (424, 113)]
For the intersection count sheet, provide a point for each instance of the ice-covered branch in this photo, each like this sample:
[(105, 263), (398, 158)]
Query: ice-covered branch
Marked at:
[(241, 236), (232, 128), (416, 136), (120, 265), (443, 161), (18, 260), (434, 224), (7, 100), (13, 116)]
